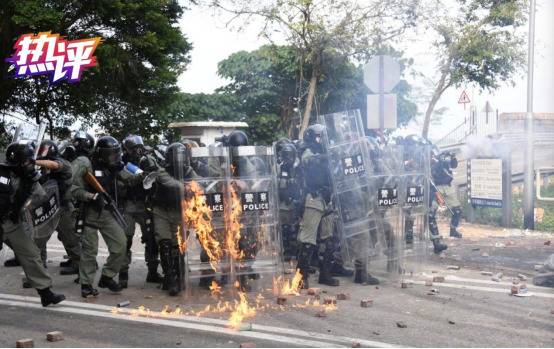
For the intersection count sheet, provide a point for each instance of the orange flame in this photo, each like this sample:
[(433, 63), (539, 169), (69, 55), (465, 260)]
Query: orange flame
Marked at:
[(180, 241), (242, 311), (215, 289), (198, 217), (233, 226), (283, 286)]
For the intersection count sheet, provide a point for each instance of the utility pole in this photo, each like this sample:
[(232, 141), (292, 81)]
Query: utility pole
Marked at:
[(528, 184)]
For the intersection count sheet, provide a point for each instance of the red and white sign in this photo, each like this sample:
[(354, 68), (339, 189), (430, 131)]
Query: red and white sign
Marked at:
[(464, 98)]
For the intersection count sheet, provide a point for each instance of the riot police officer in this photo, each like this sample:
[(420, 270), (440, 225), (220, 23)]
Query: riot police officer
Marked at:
[(59, 169), (135, 213), (107, 168), (18, 185), (317, 185), (290, 196), (168, 190)]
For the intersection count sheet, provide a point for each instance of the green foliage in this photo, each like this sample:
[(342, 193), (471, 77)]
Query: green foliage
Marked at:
[(478, 44), (264, 87), (142, 53)]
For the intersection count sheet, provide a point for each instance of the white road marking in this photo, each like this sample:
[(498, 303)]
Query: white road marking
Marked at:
[(297, 337), (490, 282), (486, 289)]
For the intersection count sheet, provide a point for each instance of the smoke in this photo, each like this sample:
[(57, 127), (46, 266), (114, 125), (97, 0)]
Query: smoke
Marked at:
[(480, 146)]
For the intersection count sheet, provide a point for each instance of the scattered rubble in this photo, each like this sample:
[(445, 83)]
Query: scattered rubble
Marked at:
[(25, 343), (123, 304), (401, 324), (487, 273), (432, 292), (281, 300), (54, 336), (438, 279), (451, 322), (343, 296), (247, 345), (484, 254), (497, 277), (356, 345), (428, 282), (366, 303), (312, 291), (522, 277), (453, 267), (547, 243), (330, 300)]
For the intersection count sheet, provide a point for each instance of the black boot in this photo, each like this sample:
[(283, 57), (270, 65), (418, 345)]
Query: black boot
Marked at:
[(455, 233), (123, 279), (109, 283), (88, 291), (325, 265), (305, 253), (166, 262), (71, 268), (174, 285), (455, 222), (337, 269), (361, 275), (66, 264), (12, 262), (48, 297), (153, 276), (438, 246)]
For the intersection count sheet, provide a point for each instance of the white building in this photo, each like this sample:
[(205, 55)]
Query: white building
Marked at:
[(206, 131)]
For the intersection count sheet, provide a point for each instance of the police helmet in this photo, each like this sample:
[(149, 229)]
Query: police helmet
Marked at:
[(83, 142), (108, 151), (314, 134), (48, 150), (67, 150), (177, 159), (21, 155), (287, 154), (237, 138), (131, 142), (280, 143)]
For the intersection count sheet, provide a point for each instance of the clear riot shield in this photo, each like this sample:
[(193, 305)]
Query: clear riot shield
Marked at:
[(413, 200), (41, 214), (388, 167), (253, 236), (203, 210), (353, 191)]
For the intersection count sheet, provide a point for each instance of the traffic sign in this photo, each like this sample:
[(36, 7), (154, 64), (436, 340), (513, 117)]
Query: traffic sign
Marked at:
[(383, 68), (464, 98)]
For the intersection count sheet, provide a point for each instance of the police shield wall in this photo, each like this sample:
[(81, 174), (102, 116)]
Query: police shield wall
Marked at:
[(414, 198), (353, 190), (253, 232)]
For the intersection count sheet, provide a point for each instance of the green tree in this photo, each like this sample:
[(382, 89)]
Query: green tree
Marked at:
[(319, 27), (142, 53), (477, 44), (265, 82)]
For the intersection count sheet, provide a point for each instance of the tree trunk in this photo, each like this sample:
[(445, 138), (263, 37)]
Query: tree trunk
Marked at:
[(439, 90), (309, 102)]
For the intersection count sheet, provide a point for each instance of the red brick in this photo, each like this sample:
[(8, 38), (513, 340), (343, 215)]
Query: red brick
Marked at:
[(25, 343), (248, 345), (366, 303), (54, 336)]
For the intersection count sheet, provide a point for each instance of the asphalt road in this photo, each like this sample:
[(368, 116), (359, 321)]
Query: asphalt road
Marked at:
[(469, 309)]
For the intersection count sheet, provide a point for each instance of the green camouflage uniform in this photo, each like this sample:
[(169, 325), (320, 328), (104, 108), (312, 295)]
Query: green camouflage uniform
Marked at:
[(99, 220)]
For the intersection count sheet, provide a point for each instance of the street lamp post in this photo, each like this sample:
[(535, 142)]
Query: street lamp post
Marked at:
[(528, 184)]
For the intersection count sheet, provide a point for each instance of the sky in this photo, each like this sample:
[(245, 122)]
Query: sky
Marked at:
[(213, 41)]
